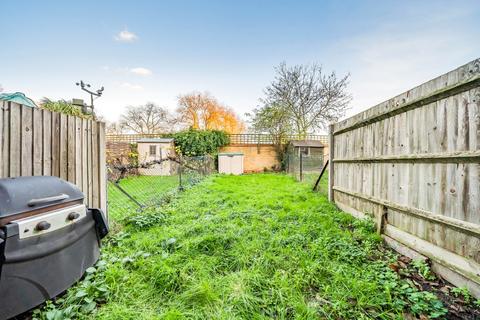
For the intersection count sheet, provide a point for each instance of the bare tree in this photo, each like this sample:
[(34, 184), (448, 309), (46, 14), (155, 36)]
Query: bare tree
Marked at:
[(271, 119), (145, 119), (115, 128), (308, 97), (274, 120)]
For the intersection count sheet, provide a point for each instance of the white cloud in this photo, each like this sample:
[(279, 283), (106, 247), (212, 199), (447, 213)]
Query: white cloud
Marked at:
[(126, 36), (141, 71), (130, 86)]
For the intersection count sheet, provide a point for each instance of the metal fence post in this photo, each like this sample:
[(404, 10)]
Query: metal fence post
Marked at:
[(301, 166), (180, 168)]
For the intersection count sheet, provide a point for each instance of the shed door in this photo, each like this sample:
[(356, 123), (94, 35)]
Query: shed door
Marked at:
[(236, 164)]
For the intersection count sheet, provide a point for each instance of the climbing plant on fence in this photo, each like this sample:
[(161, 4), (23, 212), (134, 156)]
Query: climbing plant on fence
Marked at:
[(200, 142)]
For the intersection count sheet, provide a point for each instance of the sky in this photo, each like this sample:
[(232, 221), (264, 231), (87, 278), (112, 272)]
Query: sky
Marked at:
[(153, 51)]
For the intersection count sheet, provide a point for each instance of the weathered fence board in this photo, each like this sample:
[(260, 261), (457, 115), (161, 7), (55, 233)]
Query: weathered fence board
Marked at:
[(413, 163), (39, 142)]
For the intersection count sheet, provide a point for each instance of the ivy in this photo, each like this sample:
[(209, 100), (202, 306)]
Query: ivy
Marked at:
[(193, 143)]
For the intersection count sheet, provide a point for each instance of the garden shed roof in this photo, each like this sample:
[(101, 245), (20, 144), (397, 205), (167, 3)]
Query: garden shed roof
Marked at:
[(155, 140), (307, 143)]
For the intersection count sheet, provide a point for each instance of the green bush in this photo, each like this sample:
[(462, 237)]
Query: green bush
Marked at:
[(65, 107), (200, 142)]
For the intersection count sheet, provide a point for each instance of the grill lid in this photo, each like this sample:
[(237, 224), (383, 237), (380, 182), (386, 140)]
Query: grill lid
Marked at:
[(23, 194)]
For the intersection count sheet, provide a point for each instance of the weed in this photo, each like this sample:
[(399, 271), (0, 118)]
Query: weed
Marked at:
[(464, 293), (423, 269), (80, 300), (248, 247)]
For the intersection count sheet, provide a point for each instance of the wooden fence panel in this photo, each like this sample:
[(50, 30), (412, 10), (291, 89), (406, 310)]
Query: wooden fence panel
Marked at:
[(84, 157), (47, 143), (413, 164), (3, 107), (37, 142), (26, 141), (40, 142), (15, 126), (63, 147)]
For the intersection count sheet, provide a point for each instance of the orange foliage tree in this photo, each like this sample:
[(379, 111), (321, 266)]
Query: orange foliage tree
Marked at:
[(202, 111)]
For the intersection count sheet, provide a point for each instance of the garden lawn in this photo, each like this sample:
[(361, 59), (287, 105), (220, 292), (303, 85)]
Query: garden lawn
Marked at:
[(144, 189), (244, 247)]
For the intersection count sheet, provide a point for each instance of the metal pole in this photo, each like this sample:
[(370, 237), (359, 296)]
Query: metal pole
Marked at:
[(180, 187), (128, 195), (301, 165), (320, 176)]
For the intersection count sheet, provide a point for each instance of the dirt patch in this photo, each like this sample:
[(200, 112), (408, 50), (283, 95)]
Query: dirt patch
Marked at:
[(460, 306)]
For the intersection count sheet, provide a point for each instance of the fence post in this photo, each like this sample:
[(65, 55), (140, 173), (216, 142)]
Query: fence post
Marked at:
[(331, 142), (180, 168), (301, 165)]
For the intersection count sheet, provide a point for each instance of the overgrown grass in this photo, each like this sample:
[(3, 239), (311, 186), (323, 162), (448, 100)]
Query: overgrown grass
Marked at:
[(253, 247), (144, 189)]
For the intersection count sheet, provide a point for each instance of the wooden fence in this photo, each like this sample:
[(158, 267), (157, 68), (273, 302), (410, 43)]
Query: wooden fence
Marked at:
[(413, 163), (36, 142)]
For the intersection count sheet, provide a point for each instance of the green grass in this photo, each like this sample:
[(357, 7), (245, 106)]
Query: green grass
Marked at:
[(249, 247), (145, 189)]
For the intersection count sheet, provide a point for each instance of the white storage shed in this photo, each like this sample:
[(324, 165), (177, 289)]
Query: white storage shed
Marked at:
[(155, 149), (230, 163)]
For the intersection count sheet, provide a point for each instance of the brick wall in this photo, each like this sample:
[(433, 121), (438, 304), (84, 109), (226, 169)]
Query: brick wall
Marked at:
[(117, 152), (255, 158)]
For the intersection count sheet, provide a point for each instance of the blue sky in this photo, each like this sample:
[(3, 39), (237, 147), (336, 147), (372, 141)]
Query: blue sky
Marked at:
[(155, 50)]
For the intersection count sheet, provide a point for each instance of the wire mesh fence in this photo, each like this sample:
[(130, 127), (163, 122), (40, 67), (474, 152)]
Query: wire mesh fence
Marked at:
[(134, 187), (306, 167)]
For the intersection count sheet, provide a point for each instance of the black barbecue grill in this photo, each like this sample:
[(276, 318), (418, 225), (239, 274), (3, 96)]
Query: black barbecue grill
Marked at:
[(48, 238)]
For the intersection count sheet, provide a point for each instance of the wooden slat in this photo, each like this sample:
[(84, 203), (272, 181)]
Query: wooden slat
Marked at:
[(63, 147), (78, 153), (451, 157), (55, 144), (26, 141), (457, 263), (95, 169), (89, 192), (85, 176), (47, 143), (15, 140), (102, 166), (37, 142), (470, 228), (2, 138), (6, 140), (71, 146)]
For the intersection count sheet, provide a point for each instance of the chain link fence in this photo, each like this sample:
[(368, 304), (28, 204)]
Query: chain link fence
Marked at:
[(305, 167), (134, 187)]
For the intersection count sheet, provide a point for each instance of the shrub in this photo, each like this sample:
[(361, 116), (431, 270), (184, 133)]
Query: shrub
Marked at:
[(65, 107), (200, 142)]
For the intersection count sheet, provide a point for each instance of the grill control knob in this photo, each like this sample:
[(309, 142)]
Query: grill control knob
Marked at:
[(73, 215), (42, 226)]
